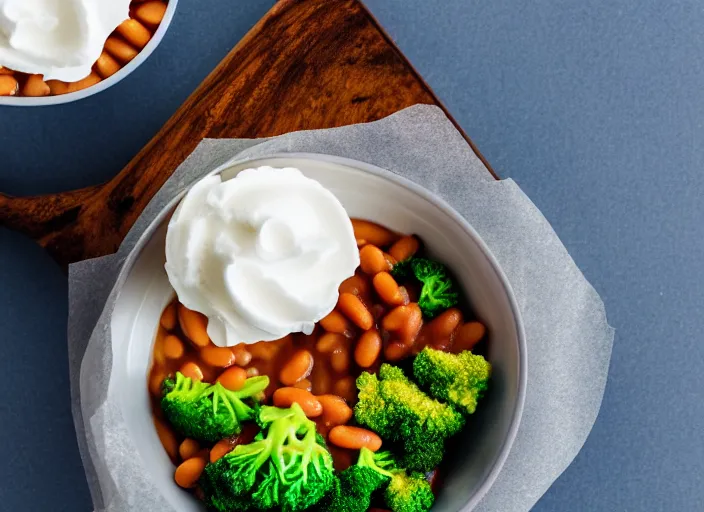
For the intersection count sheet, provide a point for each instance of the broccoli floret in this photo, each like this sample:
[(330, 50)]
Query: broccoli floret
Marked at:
[(403, 270), (397, 410), (439, 291), (460, 379), (422, 454), (285, 467), (353, 489), (409, 493), (208, 412)]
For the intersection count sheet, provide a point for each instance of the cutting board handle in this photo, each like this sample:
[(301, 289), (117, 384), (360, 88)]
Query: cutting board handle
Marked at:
[(41, 217)]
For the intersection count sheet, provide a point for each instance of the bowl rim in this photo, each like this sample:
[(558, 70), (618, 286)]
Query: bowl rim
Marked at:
[(143, 55), (447, 209)]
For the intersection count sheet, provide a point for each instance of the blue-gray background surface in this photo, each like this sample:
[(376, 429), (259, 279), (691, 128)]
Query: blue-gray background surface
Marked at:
[(595, 107)]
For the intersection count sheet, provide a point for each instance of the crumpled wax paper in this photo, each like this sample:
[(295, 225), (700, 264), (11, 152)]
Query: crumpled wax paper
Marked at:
[(569, 340)]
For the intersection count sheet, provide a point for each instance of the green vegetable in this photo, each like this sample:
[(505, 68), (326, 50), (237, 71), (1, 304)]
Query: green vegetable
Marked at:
[(409, 493), (403, 270), (208, 412), (286, 467), (353, 490), (397, 410), (439, 291), (459, 379)]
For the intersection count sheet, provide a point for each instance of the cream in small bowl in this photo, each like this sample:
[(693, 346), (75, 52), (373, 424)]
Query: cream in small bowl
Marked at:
[(59, 51), (371, 193)]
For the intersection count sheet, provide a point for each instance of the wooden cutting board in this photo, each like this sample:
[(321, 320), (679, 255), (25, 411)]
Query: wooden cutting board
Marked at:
[(307, 64)]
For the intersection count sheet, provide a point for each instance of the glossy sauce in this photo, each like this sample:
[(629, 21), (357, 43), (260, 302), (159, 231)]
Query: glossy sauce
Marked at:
[(325, 362)]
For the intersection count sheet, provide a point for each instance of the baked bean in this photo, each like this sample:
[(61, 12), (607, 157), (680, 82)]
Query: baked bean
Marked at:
[(57, 87), (445, 324), (283, 344), (119, 49), (297, 368), (173, 347), (134, 32), (35, 86), (405, 248), (167, 438), (321, 380), (468, 335), (233, 378), (155, 380), (372, 260), (9, 86), (158, 350), (168, 317), (360, 242), (340, 360), (6, 71), (356, 285), (355, 310), (354, 438), (336, 322), (252, 372), (188, 473), (335, 410), (406, 321), (389, 291), (373, 233), (396, 350), (285, 397), (194, 325), (397, 318), (368, 348), (188, 448), (304, 384), (422, 340), (242, 356), (221, 448), (347, 389), (192, 371), (88, 81), (264, 350), (329, 342), (390, 260), (441, 344), (220, 357), (106, 65), (150, 13)]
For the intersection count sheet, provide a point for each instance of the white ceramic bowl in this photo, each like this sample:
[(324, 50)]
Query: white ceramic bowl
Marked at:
[(20, 101), (371, 193)]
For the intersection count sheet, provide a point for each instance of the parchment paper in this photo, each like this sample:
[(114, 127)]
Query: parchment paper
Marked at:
[(569, 340)]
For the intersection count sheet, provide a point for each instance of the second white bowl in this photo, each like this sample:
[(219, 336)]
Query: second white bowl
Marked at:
[(15, 101)]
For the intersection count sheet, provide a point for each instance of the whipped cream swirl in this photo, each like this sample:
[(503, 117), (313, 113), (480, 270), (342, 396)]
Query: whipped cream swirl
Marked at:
[(261, 255)]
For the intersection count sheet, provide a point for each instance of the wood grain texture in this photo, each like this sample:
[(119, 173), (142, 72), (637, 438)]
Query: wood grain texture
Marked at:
[(307, 64)]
